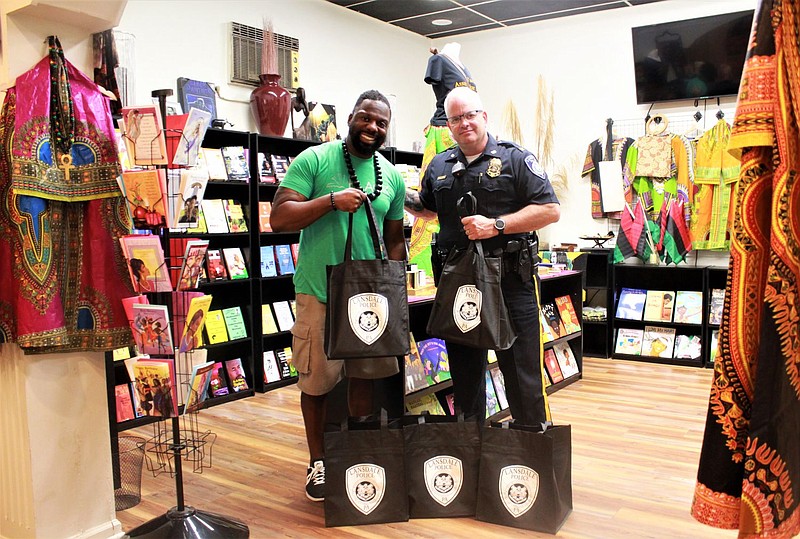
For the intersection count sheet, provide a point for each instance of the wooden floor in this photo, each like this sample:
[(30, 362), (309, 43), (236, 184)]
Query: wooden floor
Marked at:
[(636, 432)]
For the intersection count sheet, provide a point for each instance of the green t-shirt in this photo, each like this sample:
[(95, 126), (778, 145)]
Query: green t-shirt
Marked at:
[(316, 172)]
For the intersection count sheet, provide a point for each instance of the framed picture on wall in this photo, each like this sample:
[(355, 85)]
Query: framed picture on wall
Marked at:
[(197, 94)]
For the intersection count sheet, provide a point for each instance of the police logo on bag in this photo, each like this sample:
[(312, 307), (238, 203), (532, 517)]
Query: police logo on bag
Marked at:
[(467, 308), (519, 487), (368, 314), (366, 485), (444, 476)]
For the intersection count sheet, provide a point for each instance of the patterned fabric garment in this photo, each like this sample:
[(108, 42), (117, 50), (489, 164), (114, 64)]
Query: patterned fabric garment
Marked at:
[(749, 472), (594, 155), (61, 215)]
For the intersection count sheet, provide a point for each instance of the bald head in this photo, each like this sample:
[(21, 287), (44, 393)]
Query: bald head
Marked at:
[(462, 95)]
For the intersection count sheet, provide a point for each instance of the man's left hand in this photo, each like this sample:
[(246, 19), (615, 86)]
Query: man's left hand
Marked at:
[(478, 227)]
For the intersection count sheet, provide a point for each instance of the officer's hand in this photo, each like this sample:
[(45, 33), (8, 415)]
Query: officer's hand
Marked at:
[(349, 199), (478, 227)]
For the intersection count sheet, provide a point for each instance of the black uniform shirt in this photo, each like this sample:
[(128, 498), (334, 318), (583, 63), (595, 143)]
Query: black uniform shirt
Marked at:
[(504, 179), (443, 75)]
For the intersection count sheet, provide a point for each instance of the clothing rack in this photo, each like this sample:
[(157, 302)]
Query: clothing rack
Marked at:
[(679, 123)]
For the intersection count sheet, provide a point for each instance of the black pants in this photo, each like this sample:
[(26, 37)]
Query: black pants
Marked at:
[(521, 364)]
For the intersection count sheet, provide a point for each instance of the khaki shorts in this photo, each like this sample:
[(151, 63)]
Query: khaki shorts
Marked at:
[(317, 374)]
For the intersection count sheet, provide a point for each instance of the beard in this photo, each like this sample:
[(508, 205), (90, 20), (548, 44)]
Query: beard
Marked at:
[(363, 149)]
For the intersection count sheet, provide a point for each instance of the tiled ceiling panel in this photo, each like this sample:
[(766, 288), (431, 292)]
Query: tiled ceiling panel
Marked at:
[(473, 15)]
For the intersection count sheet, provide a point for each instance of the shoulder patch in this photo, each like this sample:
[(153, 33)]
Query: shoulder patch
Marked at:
[(534, 166)]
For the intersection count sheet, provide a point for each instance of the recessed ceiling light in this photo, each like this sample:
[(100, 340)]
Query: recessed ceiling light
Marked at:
[(441, 22)]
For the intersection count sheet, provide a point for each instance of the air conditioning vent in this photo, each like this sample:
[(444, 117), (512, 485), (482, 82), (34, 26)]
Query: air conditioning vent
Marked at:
[(246, 56)]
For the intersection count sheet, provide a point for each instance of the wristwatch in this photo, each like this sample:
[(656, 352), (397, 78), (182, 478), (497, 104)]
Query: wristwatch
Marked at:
[(499, 225)]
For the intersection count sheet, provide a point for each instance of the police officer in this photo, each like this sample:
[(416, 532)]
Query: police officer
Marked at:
[(514, 199)]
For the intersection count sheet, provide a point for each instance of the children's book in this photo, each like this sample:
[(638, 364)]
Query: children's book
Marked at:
[(689, 307), (434, 359), (271, 371), (285, 262), (629, 341), (268, 267), (268, 324), (153, 323), (568, 315), (236, 163), (155, 379), (145, 191), (717, 300), (264, 211), (551, 365), (566, 359), (713, 349), (146, 265), (631, 303), (658, 341), (658, 306), (216, 268), (141, 129), (124, 402), (499, 388), (198, 386), (216, 330), (215, 164), (426, 403), (234, 322), (280, 164), (190, 196), (192, 336), (214, 214), (217, 384), (547, 335), (235, 216), (492, 407), (283, 314), (550, 313), (192, 265), (414, 370), (191, 137), (234, 261), (687, 347), (235, 371), (450, 399)]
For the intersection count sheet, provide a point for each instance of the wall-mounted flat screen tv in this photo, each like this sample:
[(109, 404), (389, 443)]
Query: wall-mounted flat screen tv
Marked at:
[(691, 59)]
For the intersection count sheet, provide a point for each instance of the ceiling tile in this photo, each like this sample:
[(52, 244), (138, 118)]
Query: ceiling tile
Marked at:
[(391, 10), (462, 18), (552, 15), (514, 9)]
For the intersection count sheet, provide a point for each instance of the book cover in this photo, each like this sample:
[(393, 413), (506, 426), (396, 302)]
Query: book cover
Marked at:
[(268, 266), (180, 310), (215, 164), (568, 315), (547, 335), (426, 403), (658, 341), (283, 256), (195, 320), (198, 386), (566, 360), (234, 321), (146, 265), (414, 370), (658, 306), (492, 406), (268, 324), (550, 313), (185, 363), (551, 366), (217, 384), (215, 327), (283, 355), (287, 353), (716, 302), (435, 360), (145, 191), (236, 163), (271, 371), (714, 348), (214, 214), (295, 252), (629, 341), (283, 314), (137, 329), (156, 377), (499, 388), (191, 136), (216, 268), (190, 195), (141, 129), (124, 403), (153, 323), (138, 411), (689, 307), (235, 216), (234, 261), (450, 399), (201, 227), (265, 172), (235, 371), (280, 164), (631, 303), (264, 211), (192, 265), (687, 347)]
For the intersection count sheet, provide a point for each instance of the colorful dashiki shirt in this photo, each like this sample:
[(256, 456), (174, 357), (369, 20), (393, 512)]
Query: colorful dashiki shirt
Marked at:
[(594, 155)]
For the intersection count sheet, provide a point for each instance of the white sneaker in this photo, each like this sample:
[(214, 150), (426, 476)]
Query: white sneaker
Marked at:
[(315, 481)]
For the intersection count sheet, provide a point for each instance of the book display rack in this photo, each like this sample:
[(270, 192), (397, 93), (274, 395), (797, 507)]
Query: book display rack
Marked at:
[(596, 325)]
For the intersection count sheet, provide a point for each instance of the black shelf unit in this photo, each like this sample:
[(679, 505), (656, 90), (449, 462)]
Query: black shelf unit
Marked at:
[(716, 277), (567, 283), (597, 285)]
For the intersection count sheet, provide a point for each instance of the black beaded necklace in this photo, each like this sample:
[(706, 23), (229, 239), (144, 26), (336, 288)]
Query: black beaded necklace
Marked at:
[(354, 179)]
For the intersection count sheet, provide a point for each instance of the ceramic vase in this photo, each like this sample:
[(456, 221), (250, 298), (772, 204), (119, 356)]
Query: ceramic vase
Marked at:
[(271, 104)]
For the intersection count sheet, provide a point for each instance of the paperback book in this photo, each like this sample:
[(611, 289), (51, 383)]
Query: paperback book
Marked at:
[(268, 324), (195, 320), (141, 128), (285, 261), (235, 216), (215, 164), (216, 268), (271, 371), (717, 301), (658, 341), (284, 356), (569, 317), (236, 375), (689, 307), (284, 315), (551, 316), (414, 370), (629, 341), (234, 261), (192, 265), (152, 323), (266, 174), (280, 164), (217, 384), (264, 211), (268, 267), (198, 386), (566, 359), (216, 330), (190, 196), (191, 136), (426, 403), (687, 347), (631, 303), (434, 360), (214, 214), (155, 379), (146, 266), (492, 407), (235, 160), (552, 367), (124, 403), (234, 322), (658, 306), (499, 388), (145, 191)]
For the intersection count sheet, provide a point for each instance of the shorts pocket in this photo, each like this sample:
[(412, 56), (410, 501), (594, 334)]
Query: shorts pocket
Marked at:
[(301, 347)]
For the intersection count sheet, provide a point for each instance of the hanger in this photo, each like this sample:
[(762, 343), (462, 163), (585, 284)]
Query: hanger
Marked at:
[(657, 124), (720, 114)]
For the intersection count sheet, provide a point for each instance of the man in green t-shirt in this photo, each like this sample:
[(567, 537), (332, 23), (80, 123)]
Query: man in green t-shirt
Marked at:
[(323, 184)]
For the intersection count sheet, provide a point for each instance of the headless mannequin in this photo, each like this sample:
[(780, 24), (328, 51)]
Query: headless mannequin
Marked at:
[(444, 72), (452, 50)]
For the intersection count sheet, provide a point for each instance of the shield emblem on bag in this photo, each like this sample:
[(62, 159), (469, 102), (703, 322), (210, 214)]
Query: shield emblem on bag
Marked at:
[(444, 476), (366, 485), (467, 308), (519, 487), (368, 314)]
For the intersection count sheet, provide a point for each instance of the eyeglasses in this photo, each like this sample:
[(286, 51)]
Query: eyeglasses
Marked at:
[(467, 116)]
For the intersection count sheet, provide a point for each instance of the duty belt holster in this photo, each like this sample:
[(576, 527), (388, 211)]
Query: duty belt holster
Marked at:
[(521, 256)]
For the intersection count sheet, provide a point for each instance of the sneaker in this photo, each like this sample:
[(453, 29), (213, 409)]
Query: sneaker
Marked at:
[(315, 481)]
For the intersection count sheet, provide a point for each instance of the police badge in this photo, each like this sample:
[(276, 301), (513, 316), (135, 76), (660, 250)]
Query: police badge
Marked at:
[(366, 485), (467, 308), (367, 314), (444, 476), (519, 487), (494, 168)]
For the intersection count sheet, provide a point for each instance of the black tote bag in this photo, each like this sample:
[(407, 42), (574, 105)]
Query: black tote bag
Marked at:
[(525, 477), (367, 309), (441, 461), (469, 308), (364, 473)]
